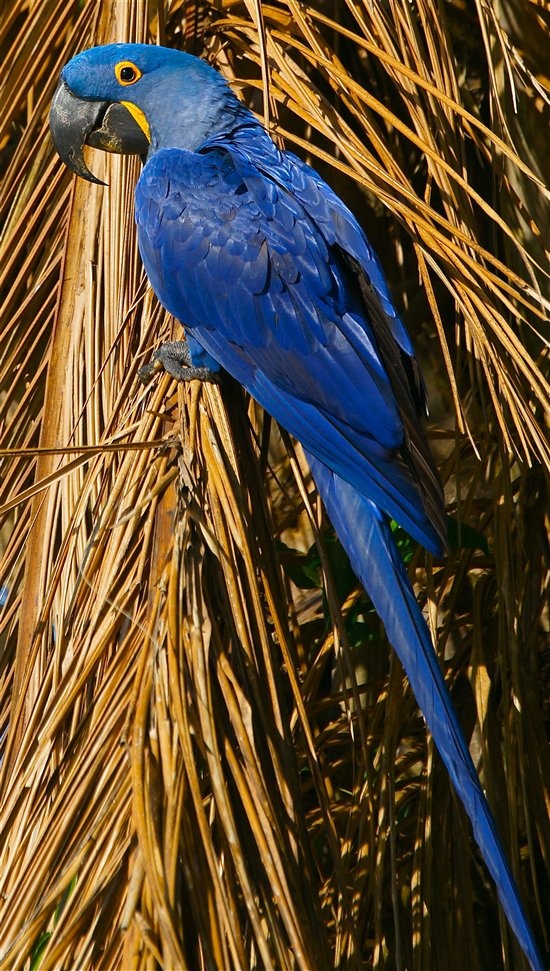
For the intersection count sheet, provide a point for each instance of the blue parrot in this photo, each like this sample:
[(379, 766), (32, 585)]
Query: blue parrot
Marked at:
[(276, 283)]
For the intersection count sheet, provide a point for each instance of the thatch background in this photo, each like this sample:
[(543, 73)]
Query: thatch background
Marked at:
[(191, 774)]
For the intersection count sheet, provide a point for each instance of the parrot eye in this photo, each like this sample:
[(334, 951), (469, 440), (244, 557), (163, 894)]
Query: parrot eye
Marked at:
[(127, 73)]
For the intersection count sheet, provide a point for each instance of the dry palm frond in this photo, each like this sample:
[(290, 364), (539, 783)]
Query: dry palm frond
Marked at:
[(206, 762)]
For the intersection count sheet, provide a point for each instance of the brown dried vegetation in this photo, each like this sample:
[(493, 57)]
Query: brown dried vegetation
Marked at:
[(205, 764)]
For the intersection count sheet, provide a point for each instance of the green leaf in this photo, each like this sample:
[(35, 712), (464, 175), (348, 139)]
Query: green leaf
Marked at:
[(406, 545), (304, 569), (38, 952), (463, 537)]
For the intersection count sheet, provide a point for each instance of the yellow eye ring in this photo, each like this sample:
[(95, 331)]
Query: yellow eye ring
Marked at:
[(127, 73)]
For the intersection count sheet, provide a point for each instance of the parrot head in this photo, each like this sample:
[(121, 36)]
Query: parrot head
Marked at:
[(133, 99)]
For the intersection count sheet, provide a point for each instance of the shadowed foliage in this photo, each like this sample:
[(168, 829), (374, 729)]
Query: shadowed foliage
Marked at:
[(210, 757)]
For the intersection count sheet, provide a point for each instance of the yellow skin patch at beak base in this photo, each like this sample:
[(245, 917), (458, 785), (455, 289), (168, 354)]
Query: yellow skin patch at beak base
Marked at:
[(138, 115)]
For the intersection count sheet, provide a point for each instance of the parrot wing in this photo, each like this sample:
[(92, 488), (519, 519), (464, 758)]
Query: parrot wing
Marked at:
[(270, 292)]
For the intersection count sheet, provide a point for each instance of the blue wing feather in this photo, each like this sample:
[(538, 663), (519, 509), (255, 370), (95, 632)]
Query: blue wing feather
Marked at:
[(283, 318)]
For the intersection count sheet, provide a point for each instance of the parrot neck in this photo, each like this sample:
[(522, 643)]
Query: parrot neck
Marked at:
[(194, 122)]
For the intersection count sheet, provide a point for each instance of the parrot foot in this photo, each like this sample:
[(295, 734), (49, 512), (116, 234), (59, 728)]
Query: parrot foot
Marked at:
[(175, 358)]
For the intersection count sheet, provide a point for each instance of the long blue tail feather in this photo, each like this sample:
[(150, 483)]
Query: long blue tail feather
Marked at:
[(366, 536)]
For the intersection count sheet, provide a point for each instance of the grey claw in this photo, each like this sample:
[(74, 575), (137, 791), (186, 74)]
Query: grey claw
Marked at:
[(174, 357)]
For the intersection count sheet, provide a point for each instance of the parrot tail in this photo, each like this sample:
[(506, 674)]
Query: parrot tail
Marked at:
[(365, 534)]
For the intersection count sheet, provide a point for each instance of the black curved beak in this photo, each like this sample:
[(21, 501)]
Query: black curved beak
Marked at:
[(75, 122)]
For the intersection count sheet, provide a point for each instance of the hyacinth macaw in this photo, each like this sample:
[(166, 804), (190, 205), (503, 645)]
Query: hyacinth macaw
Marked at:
[(275, 282)]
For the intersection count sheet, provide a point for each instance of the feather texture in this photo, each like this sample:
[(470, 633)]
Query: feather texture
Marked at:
[(290, 319)]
